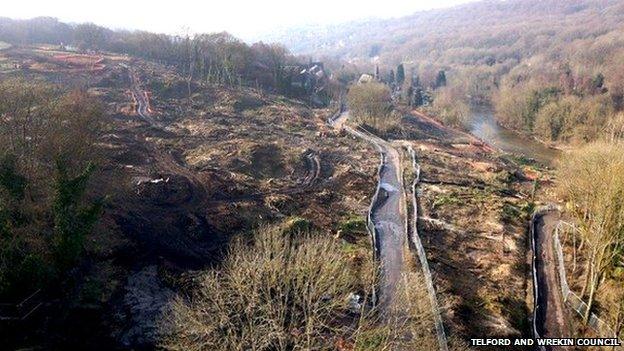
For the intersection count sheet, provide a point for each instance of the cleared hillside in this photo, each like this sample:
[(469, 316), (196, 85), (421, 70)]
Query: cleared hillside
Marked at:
[(178, 179)]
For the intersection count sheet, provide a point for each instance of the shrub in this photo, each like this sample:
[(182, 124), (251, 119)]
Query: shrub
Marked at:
[(371, 105), (296, 226), (45, 124), (615, 128), (369, 99), (353, 226), (591, 180), (275, 293), (72, 220), (22, 269), (449, 106), (281, 292)]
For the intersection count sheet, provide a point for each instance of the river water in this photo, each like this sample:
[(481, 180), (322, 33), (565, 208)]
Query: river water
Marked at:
[(484, 126)]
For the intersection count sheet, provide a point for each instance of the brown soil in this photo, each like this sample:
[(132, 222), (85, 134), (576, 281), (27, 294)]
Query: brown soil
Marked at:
[(179, 182), (474, 206)]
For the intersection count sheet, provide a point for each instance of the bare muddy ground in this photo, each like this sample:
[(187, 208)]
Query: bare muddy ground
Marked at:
[(473, 212)]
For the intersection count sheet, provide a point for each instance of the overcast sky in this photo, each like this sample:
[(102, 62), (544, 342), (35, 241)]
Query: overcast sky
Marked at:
[(242, 18)]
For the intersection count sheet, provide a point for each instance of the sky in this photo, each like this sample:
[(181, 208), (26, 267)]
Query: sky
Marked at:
[(241, 18)]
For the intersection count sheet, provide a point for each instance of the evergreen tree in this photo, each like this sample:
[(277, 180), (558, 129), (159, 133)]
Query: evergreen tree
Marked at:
[(400, 75), (72, 220), (441, 79), (598, 81), (418, 99), (415, 80), (408, 95), (391, 77)]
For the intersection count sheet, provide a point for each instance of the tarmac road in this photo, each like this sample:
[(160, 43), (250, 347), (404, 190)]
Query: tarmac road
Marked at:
[(551, 315), (388, 216)]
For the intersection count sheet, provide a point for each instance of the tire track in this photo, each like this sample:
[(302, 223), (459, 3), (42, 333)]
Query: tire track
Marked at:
[(141, 100)]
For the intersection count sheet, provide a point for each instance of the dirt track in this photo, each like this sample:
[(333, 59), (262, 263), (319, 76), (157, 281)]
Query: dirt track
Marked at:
[(308, 182), (141, 100), (550, 314)]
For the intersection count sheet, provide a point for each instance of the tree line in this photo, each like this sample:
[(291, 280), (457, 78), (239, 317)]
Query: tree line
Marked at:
[(214, 58), (559, 78)]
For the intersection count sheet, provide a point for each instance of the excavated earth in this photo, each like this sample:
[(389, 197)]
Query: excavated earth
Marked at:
[(181, 182), (474, 205), (219, 161)]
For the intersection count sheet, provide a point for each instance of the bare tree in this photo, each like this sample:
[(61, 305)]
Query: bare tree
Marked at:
[(591, 179)]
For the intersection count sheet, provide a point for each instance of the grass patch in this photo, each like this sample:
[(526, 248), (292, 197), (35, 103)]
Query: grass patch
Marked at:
[(446, 200), (519, 160), (355, 225), (510, 214), (297, 225)]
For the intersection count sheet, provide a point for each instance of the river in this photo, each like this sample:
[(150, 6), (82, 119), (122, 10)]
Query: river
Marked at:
[(484, 126)]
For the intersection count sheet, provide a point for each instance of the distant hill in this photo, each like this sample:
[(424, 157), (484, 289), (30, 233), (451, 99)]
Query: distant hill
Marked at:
[(550, 67), (467, 33)]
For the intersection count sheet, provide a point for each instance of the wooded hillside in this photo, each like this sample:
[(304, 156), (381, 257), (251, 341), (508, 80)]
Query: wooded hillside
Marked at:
[(552, 68)]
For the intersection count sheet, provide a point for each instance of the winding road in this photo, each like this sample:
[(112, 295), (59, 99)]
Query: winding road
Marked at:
[(388, 213)]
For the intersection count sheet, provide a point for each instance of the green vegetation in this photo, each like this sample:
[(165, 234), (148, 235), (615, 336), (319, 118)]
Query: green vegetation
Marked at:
[(400, 75), (296, 226), (355, 225), (19, 268), (440, 79), (72, 221), (511, 214), (446, 199), (46, 142)]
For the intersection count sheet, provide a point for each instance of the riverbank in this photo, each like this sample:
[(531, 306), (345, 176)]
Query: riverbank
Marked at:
[(484, 127)]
